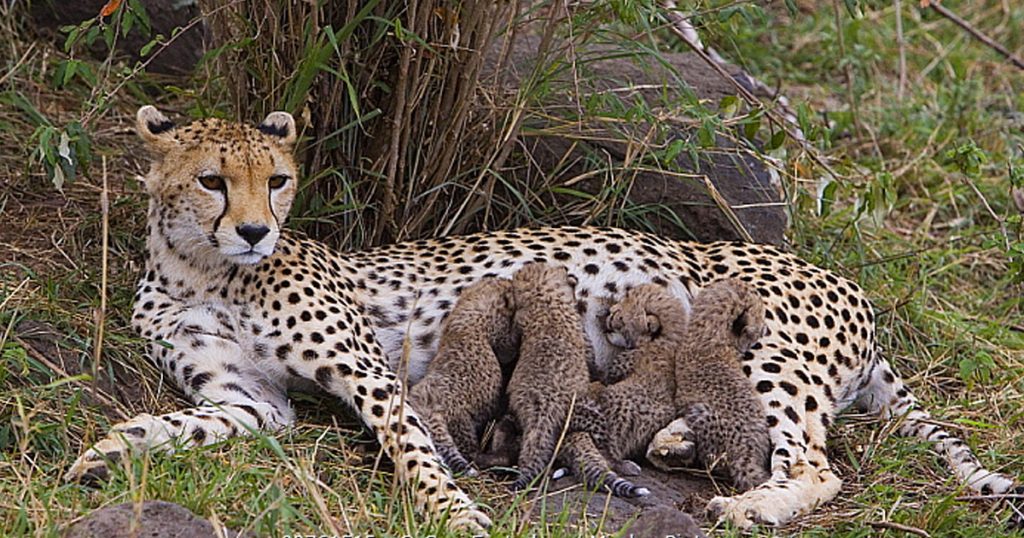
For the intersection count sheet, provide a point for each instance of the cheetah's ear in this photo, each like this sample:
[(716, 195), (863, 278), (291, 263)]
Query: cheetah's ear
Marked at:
[(746, 331), (155, 129), (281, 127)]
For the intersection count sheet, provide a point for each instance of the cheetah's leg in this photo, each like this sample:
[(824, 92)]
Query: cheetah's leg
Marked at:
[(449, 436), (537, 448), (719, 444), (232, 400), (885, 395), (377, 394), (584, 458)]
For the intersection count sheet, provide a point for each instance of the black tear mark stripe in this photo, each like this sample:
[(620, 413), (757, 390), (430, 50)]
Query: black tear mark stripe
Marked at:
[(227, 204)]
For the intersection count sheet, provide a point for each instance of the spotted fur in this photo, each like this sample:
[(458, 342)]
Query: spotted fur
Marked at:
[(623, 416), (237, 319)]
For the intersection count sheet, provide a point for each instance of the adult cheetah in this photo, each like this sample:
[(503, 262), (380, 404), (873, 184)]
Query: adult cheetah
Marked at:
[(239, 309)]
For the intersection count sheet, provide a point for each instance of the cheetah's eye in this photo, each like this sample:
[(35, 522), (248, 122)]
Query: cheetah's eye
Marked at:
[(212, 182), (277, 181)]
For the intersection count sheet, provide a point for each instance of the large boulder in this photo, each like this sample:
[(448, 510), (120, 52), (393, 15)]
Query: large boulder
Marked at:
[(727, 191)]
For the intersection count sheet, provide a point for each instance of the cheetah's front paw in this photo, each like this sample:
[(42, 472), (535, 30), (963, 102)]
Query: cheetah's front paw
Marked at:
[(91, 468), (673, 447), (471, 520), (743, 511)]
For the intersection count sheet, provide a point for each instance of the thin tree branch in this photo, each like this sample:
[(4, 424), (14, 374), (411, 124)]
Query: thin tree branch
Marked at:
[(1003, 51)]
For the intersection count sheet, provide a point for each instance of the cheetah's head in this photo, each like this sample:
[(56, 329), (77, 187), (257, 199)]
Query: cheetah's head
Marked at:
[(638, 317), (217, 188), (537, 285)]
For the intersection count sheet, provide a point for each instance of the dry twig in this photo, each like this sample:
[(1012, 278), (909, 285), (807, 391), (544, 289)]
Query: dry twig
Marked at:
[(773, 116), (976, 34), (101, 312)]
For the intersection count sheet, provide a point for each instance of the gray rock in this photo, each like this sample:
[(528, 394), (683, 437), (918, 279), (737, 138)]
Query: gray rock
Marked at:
[(159, 519), (670, 493)]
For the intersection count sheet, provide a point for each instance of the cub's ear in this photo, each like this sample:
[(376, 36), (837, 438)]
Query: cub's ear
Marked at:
[(279, 126), (155, 129), (653, 325)]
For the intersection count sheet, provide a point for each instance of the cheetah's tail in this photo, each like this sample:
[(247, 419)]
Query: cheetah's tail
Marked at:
[(582, 455), (884, 394)]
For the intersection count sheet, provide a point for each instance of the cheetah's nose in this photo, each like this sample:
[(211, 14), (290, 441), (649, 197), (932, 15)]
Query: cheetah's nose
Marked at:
[(252, 233)]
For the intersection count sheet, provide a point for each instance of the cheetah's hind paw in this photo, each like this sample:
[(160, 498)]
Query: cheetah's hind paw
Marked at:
[(471, 520), (626, 468)]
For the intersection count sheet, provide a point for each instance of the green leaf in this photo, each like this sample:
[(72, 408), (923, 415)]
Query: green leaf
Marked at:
[(706, 134), (70, 67), (826, 196), (138, 11), (148, 47), (673, 150), (752, 125), (851, 7), (778, 137), (730, 106)]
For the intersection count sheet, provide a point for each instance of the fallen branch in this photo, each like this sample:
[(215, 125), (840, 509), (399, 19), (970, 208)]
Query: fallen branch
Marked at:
[(888, 525), (975, 32)]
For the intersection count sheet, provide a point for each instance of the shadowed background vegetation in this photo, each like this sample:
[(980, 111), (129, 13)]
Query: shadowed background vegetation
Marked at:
[(410, 129)]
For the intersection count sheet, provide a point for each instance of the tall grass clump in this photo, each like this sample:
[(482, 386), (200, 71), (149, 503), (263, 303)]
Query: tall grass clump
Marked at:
[(387, 96)]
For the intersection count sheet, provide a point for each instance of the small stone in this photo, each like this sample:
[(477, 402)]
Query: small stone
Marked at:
[(663, 522)]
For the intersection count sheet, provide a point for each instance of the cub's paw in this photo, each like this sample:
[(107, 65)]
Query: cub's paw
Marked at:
[(672, 447), (626, 468)]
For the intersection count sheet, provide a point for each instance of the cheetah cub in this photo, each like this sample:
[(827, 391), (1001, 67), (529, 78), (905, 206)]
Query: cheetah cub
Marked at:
[(623, 416), (463, 386), (551, 372), (713, 394)]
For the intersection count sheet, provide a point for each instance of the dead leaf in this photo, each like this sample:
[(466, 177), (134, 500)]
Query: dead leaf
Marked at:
[(110, 7)]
